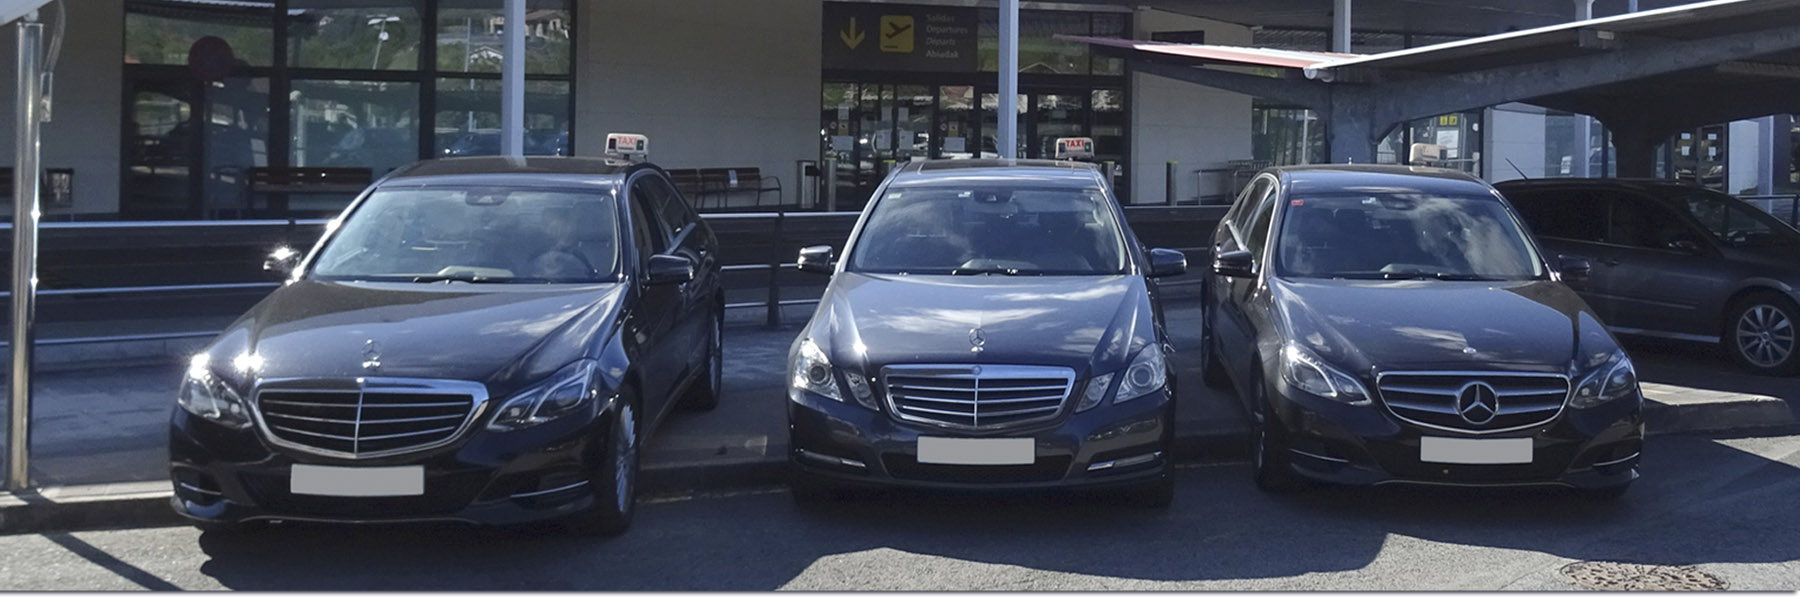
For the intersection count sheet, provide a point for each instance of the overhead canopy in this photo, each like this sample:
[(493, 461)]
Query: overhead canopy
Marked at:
[(1461, 18), (1646, 75)]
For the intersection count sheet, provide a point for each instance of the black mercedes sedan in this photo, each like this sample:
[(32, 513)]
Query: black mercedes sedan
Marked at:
[(1677, 262), (991, 325), (474, 339), (1397, 325)]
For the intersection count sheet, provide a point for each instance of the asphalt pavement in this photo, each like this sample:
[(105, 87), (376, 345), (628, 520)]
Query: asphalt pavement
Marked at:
[(1722, 507)]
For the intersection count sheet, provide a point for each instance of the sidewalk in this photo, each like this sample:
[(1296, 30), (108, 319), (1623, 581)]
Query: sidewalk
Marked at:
[(110, 426)]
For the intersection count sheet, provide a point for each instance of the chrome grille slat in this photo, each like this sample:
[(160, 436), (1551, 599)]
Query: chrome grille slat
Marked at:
[(976, 397), (1522, 400), (334, 417)]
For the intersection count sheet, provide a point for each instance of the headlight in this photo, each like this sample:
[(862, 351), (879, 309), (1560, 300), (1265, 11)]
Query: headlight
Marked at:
[(1614, 379), (208, 397), (812, 372), (569, 390), (1147, 374), (1301, 369)]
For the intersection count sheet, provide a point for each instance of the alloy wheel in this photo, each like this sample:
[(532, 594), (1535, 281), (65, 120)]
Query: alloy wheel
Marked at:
[(625, 448), (1765, 335), (718, 358)]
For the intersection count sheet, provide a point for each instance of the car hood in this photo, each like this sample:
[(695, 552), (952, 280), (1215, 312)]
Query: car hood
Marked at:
[(1090, 324), (1440, 325), (500, 335)]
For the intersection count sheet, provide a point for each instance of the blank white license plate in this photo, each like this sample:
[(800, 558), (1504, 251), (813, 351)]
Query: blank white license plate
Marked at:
[(1464, 451), (989, 451), (364, 482)]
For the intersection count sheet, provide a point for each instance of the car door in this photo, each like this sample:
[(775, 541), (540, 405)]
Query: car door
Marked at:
[(1654, 286), (1248, 231), (689, 239), (658, 307), (1569, 222)]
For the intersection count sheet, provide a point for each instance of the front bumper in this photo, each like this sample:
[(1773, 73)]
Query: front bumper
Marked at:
[(223, 475), (1592, 449), (1112, 445)]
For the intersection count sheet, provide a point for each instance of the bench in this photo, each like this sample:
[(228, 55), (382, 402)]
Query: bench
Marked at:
[(722, 183)]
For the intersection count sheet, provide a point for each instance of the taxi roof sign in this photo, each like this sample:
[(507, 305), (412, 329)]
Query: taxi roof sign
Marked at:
[(627, 146), (1074, 148)]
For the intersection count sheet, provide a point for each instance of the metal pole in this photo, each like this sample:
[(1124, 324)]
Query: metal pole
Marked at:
[(781, 249), (1340, 26), (1584, 125), (1169, 184), (512, 82), (1008, 119), (831, 184), (26, 180)]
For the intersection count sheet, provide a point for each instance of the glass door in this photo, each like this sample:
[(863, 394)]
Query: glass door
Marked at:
[(990, 125), (958, 133), (1057, 115)]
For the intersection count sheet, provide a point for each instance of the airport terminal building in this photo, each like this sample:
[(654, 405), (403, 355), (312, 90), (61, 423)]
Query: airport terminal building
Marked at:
[(176, 109)]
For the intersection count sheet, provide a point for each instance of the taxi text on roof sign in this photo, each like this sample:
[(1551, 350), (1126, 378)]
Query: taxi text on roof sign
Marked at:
[(629, 146), (1078, 147)]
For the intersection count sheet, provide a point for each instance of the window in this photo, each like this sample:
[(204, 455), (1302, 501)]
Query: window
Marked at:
[(674, 214), (1561, 214), (647, 237), (1248, 202), (1401, 235), (372, 34), (341, 123), (1734, 223), (468, 117), (160, 33), (1641, 223), (644, 199), (470, 40), (999, 228), (1258, 234)]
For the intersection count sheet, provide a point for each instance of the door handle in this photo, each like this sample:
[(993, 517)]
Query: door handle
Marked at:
[(1611, 262)]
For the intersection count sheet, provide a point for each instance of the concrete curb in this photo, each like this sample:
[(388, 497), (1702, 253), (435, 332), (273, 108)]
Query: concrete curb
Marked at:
[(146, 504)]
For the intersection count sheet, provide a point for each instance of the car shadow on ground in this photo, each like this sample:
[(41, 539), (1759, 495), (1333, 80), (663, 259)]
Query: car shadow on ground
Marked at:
[(1704, 367), (1702, 501)]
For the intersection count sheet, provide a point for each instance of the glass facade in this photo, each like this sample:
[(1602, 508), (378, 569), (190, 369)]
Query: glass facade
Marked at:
[(874, 118), (373, 84)]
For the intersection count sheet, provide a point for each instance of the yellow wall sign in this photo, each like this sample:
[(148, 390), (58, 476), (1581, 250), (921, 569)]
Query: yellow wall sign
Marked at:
[(1449, 120), (897, 33)]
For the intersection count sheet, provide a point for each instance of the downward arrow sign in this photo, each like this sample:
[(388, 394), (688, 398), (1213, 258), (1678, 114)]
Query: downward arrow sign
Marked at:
[(851, 36)]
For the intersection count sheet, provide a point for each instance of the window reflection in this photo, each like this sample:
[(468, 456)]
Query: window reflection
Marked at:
[(361, 34), (470, 36), (468, 118), (370, 124)]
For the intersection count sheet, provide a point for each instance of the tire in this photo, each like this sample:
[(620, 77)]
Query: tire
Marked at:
[(1762, 334), (615, 486), (811, 490), (1269, 455), (1156, 494), (703, 395), (1212, 371)]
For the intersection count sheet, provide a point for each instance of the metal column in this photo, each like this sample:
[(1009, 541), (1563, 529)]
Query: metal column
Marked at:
[(26, 180), (1584, 125), (1008, 117), (512, 82), (1340, 26)]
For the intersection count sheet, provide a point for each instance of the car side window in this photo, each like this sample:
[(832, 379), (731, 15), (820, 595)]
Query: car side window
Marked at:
[(1247, 203), (674, 214), (646, 197), (646, 235), (1260, 221), (1562, 214), (1725, 221), (1641, 223)]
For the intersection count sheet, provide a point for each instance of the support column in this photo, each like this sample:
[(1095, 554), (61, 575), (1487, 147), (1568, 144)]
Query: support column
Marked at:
[(1348, 139), (1584, 125), (28, 119), (1340, 26), (512, 82), (1007, 138), (1636, 152)]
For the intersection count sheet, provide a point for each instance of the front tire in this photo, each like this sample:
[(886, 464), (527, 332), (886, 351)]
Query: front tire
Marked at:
[(1269, 454), (704, 394), (1760, 334), (615, 485)]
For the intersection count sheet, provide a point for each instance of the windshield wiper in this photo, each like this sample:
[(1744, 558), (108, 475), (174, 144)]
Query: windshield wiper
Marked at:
[(1438, 276), (473, 279), (1011, 271)]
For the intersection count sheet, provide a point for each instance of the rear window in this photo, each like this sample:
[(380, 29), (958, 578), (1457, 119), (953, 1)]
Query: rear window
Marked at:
[(1567, 215)]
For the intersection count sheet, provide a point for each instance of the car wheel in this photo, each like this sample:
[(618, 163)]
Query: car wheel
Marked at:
[(811, 490), (704, 394), (1212, 372), (615, 484), (1760, 333), (1269, 455)]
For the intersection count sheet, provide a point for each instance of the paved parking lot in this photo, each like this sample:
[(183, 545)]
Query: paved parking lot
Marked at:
[(1722, 507)]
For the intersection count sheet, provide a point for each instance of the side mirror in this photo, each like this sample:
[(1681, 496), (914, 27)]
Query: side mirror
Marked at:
[(1167, 263), (280, 264), (1575, 269), (1687, 246), (816, 259), (668, 269), (1236, 263)]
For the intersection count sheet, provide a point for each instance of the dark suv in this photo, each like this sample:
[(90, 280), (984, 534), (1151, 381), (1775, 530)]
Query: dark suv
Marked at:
[(475, 340), (993, 325), (1676, 261), (1397, 325)]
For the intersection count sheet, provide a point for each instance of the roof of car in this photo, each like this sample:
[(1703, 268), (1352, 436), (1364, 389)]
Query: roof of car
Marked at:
[(928, 172), (536, 167), (1313, 179), (1641, 184)]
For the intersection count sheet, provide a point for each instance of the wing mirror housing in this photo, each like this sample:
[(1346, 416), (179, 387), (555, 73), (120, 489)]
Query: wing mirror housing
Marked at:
[(1574, 269), (1167, 263), (669, 269), (816, 259), (1235, 263), (281, 263)]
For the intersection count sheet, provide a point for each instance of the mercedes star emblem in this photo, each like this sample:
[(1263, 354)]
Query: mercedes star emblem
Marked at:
[(1477, 403), (371, 352), (977, 339)]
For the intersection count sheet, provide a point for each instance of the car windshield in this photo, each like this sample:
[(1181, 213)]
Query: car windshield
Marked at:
[(991, 230), (1735, 223), (1393, 235), (476, 235)]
